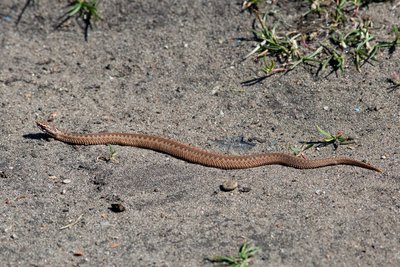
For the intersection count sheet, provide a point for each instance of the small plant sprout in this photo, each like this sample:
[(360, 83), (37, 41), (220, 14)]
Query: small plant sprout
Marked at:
[(85, 10), (112, 153), (246, 252), (307, 58), (396, 40), (393, 44), (339, 139), (334, 59), (335, 139), (339, 14), (299, 152)]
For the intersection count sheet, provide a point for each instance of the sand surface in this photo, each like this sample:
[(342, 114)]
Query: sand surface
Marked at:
[(173, 68)]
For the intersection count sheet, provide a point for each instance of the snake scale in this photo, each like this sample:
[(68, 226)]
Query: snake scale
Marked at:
[(194, 154)]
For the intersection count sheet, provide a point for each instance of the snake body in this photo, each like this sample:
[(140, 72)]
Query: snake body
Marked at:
[(194, 154)]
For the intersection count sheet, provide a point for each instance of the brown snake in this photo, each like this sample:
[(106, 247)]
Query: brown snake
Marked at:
[(194, 154)]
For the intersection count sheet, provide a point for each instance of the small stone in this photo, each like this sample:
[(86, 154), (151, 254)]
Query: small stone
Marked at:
[(229, 185), (383, 157), (319, 192), (78, 253), (326, 108), (66, 181), (215, 90), (117, 207)]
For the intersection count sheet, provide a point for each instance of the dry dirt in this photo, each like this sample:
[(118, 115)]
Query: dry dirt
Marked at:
[(173, 68)]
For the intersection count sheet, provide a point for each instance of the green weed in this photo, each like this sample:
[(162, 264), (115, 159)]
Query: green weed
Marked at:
[(330, 139), (339, 137), (112, 156), (85, 10), (335, 31), (246, 252)]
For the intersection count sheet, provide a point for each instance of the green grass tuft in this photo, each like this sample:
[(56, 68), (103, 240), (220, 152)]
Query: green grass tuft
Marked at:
[(328, 34), (246, 252)]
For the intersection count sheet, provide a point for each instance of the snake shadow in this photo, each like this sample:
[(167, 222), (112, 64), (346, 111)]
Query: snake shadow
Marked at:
[(36, 136)]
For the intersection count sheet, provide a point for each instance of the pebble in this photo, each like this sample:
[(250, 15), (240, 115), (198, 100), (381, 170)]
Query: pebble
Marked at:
[(229, 185), (66, 181), (319, 192), (117, 207)]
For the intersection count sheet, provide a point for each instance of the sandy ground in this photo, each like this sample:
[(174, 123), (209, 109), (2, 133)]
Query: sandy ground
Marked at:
[(173, 68)]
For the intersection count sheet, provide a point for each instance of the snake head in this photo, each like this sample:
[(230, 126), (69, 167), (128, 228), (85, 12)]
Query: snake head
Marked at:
[(47, 128)]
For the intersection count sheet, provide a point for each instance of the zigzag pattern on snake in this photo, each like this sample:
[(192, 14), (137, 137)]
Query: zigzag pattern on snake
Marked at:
[(194, 154)]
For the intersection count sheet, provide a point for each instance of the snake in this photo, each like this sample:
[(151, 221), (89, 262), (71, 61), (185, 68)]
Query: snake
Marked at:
[(194, 154)]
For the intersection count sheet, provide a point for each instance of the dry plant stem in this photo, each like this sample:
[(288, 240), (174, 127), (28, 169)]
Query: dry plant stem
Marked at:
[(72, 224), (194, 154)]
